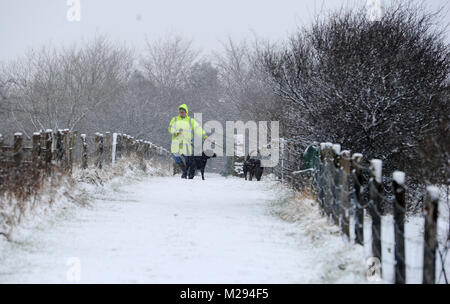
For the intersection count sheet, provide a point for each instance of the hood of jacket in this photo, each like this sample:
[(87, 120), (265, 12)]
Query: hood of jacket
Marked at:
[(185, 107)]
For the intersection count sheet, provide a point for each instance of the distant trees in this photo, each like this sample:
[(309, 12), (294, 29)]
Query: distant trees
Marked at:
[(103, 86), (5, 85), (66, 88), (178, 74), (377, 87), (167, 62), (245, 84)]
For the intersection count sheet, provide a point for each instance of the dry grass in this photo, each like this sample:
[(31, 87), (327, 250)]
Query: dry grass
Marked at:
[(26, 190), (14, 209), (298, 205)]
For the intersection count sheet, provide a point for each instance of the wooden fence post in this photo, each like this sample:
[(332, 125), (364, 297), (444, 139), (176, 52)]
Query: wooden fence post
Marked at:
[(99, 150), (114, 147), (107, 148), (398, 185), (336, 178), (118, 143), (129, 145), (144, 149), (320, 179), (431, 243), (136, 147), (153, 150), (66, 156), (18, 149), (328, 175), (140, 149), (150, 150), (48, 139), (125, 145), (42, 150), (73, 143), (345, 192), (140, 154), (122, 146), (133, 146), (375, 206), (2, 156), (59, 151), (36, 150), (54, 146), (147, 150), (84, 152), (359, 198)]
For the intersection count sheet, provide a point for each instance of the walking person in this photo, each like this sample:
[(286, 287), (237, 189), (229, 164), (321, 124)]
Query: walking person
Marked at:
[(182, 128)]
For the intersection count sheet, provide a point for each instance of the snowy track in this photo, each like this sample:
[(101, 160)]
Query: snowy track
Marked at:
[(224, 231)]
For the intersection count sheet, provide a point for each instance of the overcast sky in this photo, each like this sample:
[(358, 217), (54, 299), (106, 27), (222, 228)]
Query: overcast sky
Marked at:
[(26, 24)]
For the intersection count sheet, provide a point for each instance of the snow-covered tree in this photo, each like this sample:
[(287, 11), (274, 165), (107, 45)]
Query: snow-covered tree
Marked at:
[(368, 85)]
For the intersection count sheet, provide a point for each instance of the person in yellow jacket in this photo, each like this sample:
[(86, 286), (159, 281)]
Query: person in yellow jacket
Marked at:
[(182, 128)]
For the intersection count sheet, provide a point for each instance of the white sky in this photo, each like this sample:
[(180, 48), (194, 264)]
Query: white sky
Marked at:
[(26, 24)]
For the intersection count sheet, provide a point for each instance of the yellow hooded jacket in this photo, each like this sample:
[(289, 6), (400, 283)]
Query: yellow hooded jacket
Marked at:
[(182, 144)]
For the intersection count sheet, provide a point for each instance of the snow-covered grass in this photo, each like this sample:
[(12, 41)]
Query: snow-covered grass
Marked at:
[(56, 193), (147, 227), (61, 192), (144, 229), (334, 258), (295, 207)]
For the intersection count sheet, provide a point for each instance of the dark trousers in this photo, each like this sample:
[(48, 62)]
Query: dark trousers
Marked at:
[(183, 162)]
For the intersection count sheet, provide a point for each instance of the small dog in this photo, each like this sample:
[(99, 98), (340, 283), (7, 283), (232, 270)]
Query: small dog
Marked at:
[(197, 163), (253, 166)]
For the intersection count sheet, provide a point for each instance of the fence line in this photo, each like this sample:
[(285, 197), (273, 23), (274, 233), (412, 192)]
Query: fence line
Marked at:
[(23, 167), (338, 175), (346, 190)]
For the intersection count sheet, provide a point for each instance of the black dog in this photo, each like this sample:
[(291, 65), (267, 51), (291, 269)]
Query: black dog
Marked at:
[(253, 166), (197, 163)]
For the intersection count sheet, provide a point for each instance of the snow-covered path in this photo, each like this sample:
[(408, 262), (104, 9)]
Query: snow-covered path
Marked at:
[(168, 230)]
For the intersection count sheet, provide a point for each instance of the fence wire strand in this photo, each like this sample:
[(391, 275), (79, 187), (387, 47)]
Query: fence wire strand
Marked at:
[(327, 180)]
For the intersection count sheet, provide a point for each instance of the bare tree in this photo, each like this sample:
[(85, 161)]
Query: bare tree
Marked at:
[(367, 85), (55, 89), (245, 84), (167, 62)]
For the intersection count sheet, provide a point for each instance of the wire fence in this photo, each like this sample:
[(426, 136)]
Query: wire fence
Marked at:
[(350, 193), (349, 190)]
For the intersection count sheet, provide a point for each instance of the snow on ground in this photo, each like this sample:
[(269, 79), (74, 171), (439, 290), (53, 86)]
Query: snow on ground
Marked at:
[(168, 230)]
